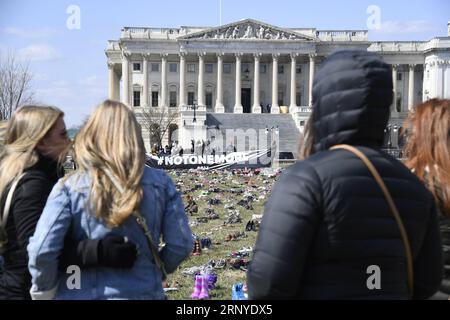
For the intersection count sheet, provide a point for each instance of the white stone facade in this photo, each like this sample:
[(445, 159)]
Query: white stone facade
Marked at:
[(231, 68)]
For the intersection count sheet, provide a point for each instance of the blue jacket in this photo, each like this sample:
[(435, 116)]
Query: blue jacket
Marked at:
[(66, 213)]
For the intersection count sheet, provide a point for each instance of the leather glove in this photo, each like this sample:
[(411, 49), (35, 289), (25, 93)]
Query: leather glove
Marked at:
[(115, 251)]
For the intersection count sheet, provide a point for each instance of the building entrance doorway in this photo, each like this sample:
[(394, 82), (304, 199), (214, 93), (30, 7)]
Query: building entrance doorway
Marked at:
[(246, 96)]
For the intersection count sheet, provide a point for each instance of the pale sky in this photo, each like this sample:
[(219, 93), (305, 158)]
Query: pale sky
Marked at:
[(69, 65)]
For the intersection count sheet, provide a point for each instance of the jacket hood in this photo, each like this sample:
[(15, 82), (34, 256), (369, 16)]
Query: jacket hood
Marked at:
[(352, 95)]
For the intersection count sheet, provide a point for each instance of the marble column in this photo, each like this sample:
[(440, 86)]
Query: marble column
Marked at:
[(411, 87), (111, 81), (163, 102), (200, 88), (256, 103), (145, 75), (312, 57), (394, 89), (126, 78), (182, 101), (219, 99), (238, 103), (293, 104), (275, 107)]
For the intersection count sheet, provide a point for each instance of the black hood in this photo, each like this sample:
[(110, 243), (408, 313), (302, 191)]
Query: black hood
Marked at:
[(352, 95)]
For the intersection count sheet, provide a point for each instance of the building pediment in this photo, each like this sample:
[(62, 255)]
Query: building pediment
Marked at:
[(248, 29)]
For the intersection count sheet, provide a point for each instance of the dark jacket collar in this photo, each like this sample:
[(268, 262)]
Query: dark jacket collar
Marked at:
[(352, 94), (49, 166)]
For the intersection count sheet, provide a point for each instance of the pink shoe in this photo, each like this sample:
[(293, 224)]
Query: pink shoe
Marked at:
[(204, 294), (198, 282)]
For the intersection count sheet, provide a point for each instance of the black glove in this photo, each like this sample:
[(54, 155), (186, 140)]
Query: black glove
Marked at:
[(114, 252)]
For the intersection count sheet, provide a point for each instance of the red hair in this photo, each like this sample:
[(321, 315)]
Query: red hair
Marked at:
[(428, 148)]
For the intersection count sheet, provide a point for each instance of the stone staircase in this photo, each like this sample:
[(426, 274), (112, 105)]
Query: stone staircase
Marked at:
[(288, 131)]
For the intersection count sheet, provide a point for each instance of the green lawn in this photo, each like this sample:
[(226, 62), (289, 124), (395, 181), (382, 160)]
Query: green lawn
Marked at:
[(259, 185)]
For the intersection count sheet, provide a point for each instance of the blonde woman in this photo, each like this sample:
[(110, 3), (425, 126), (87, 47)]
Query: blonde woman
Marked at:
[(111, 185), (428, 156), (34, 140)]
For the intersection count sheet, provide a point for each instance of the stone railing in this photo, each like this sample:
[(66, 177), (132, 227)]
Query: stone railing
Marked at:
[(397, 46), (342, 35), (304, 109), (437, 43), (113, 45), (151, 33)]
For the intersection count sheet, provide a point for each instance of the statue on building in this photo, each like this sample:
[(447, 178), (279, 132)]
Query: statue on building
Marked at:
[(261, 33), (248, 33), (235, 34), (228, 33)]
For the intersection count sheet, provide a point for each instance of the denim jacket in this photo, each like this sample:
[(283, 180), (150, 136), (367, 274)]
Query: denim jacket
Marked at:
[(66, 212)]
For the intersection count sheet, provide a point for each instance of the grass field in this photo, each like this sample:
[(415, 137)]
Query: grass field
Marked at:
[(256, 186)]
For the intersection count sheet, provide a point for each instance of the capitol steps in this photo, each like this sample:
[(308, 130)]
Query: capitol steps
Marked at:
[(288, 131)]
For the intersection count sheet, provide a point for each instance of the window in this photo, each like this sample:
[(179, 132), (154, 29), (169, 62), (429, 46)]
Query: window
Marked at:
[(191, 68), (208, 100), (155, 67), (263, 68), (280, 98), (399, 76), (173, 99), (136, 98), (136, 66), (298, 69), (399, 104), (154, 98), (302, 123), (281, 69), (208, 68), (172, 67), (245, 71), (191, 98), (298, 99), (227, 68)]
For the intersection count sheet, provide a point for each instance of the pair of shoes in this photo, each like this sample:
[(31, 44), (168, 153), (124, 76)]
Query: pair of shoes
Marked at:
[(249, 226), (252, 225), (230, 237), (212, 279), (205, 243), (237, 292), (220, 264), (202, 219), (200, 287), (197, 248)]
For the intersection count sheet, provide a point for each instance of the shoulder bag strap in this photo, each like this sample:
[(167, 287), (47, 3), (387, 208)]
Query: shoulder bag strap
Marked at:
[(8, 201), (155, 252), (392, 207), (143, 224)]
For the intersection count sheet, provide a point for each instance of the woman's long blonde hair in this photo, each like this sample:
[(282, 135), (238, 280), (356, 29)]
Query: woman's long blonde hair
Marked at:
[(111, 141), (428, 148), (23, 132)]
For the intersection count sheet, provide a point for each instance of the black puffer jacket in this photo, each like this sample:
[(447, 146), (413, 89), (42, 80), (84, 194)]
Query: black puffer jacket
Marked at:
[(327, 221)]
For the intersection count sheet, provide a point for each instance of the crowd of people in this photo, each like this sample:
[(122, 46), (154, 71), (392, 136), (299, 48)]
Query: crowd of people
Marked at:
[(198, 148), (343, 208)]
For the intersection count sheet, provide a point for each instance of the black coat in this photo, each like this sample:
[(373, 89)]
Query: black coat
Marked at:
[(27, 205), (327, 221)]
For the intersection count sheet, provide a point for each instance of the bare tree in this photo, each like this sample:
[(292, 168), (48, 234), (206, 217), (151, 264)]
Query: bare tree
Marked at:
[(15, 84), (157, 121)]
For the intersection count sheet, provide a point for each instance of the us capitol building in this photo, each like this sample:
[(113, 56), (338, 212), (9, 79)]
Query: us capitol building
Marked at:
[(250, 74)]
